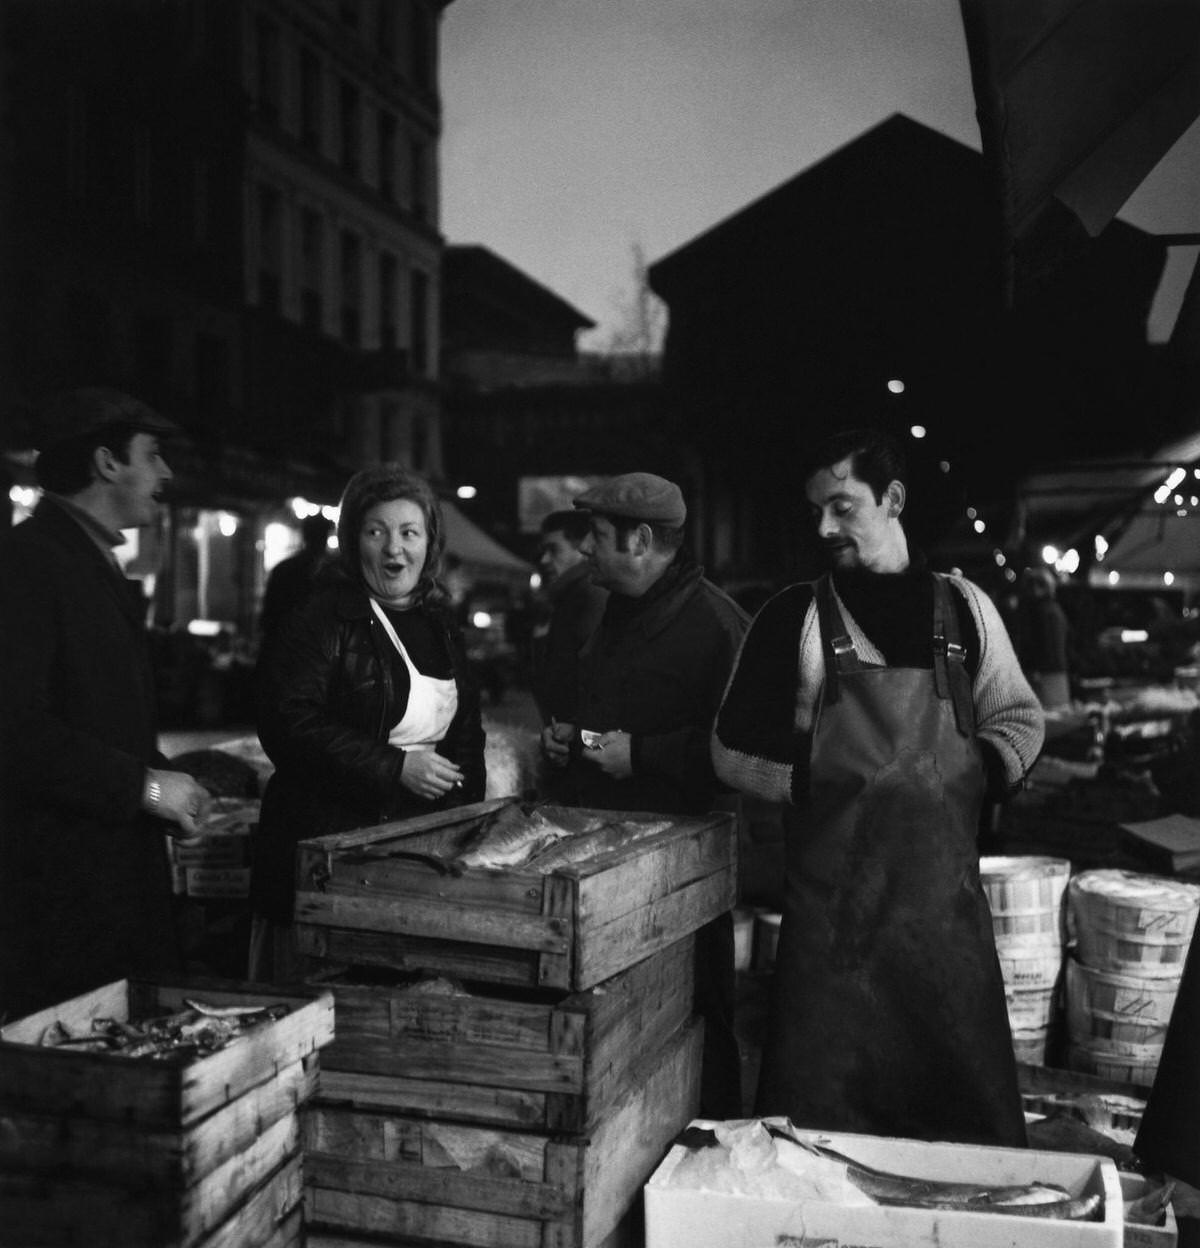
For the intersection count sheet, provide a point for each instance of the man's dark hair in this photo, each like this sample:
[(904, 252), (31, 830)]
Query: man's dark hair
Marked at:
[(573, 524), (876, 458), (66, 467), (315, 531)]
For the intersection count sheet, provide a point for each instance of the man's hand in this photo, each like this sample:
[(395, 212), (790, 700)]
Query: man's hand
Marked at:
[(557, 740), (613, 755), (178, 798), (427, 774)]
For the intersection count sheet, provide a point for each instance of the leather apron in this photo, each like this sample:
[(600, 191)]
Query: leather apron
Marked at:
[(888, 1013)]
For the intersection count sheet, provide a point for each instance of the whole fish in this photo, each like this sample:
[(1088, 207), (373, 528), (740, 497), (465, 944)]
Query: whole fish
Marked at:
[(606, 836), (513, 835), (1030, 1200)]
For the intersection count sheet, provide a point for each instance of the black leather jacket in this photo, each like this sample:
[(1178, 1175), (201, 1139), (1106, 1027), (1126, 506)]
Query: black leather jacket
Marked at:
[(327, 700)]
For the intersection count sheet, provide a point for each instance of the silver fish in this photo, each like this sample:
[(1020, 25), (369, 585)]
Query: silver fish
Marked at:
[(606, 836), (509, 838)]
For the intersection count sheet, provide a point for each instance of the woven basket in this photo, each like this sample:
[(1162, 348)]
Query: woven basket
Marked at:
[(1028, 967), (1136, 1068), (1118, 1010), (1132, 924), (1026, 897)]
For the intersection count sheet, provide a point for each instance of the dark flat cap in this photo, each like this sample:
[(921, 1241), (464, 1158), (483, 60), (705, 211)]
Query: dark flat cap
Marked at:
[(76, 413), (637, 496)]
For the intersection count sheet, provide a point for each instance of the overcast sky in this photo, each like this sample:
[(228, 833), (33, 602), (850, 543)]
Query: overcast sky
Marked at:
[(577, 129)]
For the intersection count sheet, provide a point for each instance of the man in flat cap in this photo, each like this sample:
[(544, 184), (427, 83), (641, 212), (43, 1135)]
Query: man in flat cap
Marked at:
[(647, 686), (85, 797)]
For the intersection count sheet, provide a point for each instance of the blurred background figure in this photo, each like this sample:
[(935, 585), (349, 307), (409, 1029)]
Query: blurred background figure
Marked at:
[(291, 581), (1041, 638), (573, 603)]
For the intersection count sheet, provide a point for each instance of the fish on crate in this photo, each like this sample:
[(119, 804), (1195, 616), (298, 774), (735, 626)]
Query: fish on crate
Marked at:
[(608, 836), (513, 835)]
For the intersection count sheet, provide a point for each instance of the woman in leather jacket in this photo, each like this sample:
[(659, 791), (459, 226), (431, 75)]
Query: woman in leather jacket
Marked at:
[(367, 706)]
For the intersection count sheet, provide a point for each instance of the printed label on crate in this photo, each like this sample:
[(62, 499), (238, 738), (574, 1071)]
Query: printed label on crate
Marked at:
[(218, 882)]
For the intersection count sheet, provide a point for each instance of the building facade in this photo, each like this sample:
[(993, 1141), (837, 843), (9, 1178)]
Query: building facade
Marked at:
[(232, 211)]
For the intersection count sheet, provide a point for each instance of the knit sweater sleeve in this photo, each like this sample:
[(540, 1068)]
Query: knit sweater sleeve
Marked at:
[(1008, 715), (759, 743)]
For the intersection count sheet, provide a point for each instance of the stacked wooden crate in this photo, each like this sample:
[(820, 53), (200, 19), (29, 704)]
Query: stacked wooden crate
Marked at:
[(515, 1050), (103, 1149)]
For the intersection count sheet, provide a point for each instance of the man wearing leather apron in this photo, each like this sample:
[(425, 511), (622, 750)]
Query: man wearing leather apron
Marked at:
[(882, 702)]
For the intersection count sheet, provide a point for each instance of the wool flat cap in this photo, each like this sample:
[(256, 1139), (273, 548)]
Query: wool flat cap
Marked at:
[(76, 413), (637, 496)]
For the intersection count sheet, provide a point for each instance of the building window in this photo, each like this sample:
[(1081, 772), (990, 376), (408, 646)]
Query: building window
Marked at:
[(417, 161), (420, 46), (419, 342), (311, 270), (142, 190), (266, 41), (310, 99), (389, 270), (351, 282), (349, 121), (152, 333), (212, 373), (385, 31), (387, 155), (420, 442), (270, 248), (75, 147), (201, 201)]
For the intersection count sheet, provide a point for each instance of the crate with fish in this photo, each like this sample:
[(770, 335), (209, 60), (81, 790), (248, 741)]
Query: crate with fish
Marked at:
[(484, 1053), (144, 1113), (503, 892), (764, 1181), (426, 1181)]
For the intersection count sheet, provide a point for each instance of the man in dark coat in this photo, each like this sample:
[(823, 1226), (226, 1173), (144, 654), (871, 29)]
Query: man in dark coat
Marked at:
[(575, 603), (85, 797), (292, 580), (634, 736)]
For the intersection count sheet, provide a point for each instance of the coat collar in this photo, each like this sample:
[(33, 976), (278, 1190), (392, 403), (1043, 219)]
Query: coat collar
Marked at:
[(661, 603)]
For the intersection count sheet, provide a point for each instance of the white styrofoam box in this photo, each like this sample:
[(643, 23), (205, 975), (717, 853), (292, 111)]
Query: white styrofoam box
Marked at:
[(1165, 1236), (678, 1217)]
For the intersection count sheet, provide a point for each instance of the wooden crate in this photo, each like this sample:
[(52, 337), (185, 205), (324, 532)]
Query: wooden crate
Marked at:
[(425, 1181), (363, 897), (516, 1057), (41, 1212), (99, 1147)]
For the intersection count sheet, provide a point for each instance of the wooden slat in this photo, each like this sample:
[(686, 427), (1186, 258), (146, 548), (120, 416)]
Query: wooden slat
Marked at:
[(271, 1215), (634, 934), (664, 864), (632, 1140), (435, 919), (36, 1212), (404, 829), (438, 1098), (134, 1156), (346, 946), (413, 1222)]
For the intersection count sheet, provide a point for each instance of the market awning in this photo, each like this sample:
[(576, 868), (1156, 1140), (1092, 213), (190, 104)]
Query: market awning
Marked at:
[(1146, 513), (1077, 101), (480, 553)]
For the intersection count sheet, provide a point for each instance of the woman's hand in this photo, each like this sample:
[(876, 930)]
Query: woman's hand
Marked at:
[(430, 776)]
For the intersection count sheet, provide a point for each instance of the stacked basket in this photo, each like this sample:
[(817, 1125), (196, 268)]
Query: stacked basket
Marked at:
[(1026, 897), (1132, 934)]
